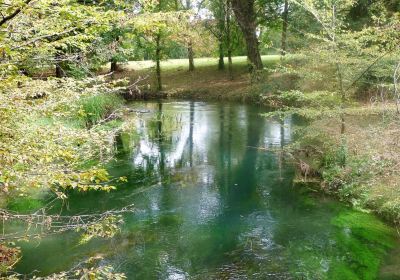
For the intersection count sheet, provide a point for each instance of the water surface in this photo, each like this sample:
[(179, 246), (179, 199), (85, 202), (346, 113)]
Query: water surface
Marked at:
[(214, 199)]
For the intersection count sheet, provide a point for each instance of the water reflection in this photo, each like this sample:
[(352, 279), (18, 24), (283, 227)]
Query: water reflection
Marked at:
[(213, 202), (212, 205)]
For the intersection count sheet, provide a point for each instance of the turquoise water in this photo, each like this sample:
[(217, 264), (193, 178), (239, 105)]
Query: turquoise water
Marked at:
[(214, 199)]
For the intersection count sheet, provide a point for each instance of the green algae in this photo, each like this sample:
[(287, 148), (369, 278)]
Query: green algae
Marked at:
[(364, 241), (353, 249)]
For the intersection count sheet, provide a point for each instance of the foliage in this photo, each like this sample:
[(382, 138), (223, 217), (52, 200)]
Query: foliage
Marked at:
[(30, 160), (8, 257), (296, 98), (106, 228), (90, 269)]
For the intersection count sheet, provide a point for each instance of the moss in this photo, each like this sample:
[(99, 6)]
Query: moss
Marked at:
[(342, 272), (363, 241), (353, 248), (366, 226)]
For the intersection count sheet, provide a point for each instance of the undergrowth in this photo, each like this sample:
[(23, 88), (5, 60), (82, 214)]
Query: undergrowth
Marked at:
[(359, 167)]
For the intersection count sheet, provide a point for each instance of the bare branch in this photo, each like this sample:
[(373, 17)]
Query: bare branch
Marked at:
[(14, 14)]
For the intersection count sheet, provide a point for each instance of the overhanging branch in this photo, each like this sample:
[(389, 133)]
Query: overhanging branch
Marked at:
[(13, 14)]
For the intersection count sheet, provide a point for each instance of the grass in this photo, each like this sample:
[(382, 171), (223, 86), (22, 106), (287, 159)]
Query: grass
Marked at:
[(182, 64), (206, 82), (98, 107)]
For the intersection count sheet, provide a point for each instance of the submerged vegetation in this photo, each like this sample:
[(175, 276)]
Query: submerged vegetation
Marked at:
[(345, 256)]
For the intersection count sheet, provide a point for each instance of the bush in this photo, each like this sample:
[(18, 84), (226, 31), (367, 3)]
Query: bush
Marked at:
[(296, 98)]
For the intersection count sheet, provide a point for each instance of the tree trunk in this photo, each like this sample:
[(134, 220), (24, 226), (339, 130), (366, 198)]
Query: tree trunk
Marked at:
[(190, 44), (158, 61), (114, 66), (221, 63), (253, 52), (245, 15), (59, 70), (191, 56), (229, 38), (230, 64), (284, 28), (114, 63)]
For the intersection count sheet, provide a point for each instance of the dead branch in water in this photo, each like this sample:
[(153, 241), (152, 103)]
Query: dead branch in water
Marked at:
[(39, 223)]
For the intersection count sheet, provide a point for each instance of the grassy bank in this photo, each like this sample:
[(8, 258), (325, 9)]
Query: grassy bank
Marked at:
[(206, 82), (360, 166)]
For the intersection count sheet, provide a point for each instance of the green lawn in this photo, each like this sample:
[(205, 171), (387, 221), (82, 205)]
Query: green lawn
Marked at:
[(199, 62), (205, 82)]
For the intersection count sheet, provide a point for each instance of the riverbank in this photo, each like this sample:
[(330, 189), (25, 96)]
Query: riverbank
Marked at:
[(360, 166), (206, 82)]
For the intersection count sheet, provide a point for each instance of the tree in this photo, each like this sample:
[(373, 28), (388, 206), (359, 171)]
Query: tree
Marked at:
[(48, 156), (222, 26), (348, 56), (190, 43), (285, 17), (60, 34), (246, 16), (161, 23)]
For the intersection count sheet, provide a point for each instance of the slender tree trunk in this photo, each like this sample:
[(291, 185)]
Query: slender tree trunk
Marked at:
[(229, 38), (341, 88), (190, 44), (158, 62), (284, 28), (221, 63), (339, 73), (245, 15), (230, 64), (114, 63), (59, 70), (191, 56), (342, 98)]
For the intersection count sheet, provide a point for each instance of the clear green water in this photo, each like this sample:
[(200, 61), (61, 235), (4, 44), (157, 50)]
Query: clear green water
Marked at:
[(210, 205)]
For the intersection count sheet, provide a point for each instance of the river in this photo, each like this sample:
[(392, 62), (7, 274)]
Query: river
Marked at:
[(214, 199)]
